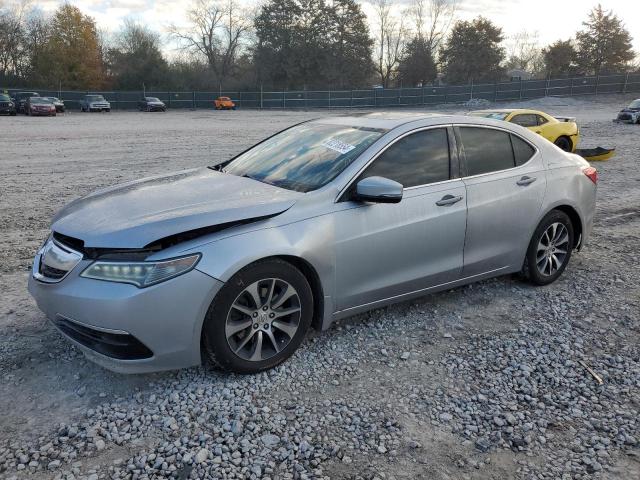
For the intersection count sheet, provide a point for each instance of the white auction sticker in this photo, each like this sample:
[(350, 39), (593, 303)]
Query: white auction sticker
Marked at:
[(338, 146)]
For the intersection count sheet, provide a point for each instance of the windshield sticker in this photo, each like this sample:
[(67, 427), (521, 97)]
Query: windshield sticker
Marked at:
[(338, 146)]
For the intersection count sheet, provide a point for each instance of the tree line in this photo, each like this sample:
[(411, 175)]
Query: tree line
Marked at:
[(295, 44)]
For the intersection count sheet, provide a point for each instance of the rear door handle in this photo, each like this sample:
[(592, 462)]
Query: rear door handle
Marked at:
[(524, 181), (448, 200)]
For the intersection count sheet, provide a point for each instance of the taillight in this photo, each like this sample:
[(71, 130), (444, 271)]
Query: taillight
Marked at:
[(592, 173)]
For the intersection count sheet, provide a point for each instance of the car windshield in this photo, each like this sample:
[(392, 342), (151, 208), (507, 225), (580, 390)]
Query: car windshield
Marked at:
[(40, 101), (494, 115), (152, 99), (4, 98), (635, 104), (225, 99), (95, 98), (304, 157)]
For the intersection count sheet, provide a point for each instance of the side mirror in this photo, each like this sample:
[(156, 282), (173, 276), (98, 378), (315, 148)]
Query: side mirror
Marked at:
[(378, 190)]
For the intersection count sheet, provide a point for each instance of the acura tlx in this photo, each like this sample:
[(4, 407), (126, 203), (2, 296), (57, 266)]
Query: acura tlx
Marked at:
[(328, 218)]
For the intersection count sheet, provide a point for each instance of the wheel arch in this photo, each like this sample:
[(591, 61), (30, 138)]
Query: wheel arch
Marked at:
[(576, 222)]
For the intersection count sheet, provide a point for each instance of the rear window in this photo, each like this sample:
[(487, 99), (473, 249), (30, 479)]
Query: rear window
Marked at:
[(522, 151), (486, 150)]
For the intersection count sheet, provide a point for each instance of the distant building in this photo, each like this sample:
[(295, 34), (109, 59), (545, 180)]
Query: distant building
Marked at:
[(515, 75)]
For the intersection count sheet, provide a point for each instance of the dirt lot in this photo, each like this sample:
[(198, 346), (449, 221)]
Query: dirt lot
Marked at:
[(478, 382)]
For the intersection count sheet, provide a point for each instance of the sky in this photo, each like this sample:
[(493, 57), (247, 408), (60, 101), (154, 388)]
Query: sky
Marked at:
[(551, 19)]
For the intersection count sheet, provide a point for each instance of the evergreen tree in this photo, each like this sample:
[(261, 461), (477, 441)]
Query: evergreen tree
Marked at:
[(604, 45), (560, 58), (417, 66), (472, 52)]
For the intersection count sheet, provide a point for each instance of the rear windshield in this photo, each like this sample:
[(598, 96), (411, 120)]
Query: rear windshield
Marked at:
[(40, 101), (152, 99), (95, 98), (494, 115), (304, 157)]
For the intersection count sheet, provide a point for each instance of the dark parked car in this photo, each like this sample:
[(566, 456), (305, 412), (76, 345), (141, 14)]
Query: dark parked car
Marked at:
[(151, 104), (7, 107), (39, 106), (59, 104), (21, 99), (630, 114)]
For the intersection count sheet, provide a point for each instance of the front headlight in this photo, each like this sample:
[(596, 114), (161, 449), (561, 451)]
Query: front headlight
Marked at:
[(140, 274)]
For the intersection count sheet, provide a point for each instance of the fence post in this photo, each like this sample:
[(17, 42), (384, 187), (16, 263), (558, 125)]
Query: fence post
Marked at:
[(571, 88), (626, 80), (261, 98), (597, 82), (284, 98), (329, 98), (193, 99), (471, 92), (546, 87), (169, 99), (375, 97), (520, 88), (423, 103), (495, 91), (117, 100), (351, 99)]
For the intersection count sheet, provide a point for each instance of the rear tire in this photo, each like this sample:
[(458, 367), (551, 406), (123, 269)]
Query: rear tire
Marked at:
[(259, 318), (550, 249), (564, 143)]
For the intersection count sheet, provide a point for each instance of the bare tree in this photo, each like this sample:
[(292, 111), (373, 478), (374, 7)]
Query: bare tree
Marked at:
[(391, 37), (524, 52), (12, 36), (216, 32), (431, 20)]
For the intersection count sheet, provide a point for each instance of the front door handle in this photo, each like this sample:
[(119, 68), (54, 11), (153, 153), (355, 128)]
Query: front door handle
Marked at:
[(524, 181), (448, 200)]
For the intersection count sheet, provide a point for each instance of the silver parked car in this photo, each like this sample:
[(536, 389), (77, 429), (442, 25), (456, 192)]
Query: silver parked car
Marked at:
[(326, 219), (94, 103)]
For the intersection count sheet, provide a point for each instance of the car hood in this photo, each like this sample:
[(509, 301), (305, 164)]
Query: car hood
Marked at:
[(136, 214)]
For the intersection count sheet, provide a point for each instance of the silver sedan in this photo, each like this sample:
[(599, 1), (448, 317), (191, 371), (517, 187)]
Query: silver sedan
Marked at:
[(234, 263)]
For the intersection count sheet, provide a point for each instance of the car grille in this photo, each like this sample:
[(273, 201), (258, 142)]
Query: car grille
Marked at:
[(54, 261), (4, 104), (624, 116), (121, 346)]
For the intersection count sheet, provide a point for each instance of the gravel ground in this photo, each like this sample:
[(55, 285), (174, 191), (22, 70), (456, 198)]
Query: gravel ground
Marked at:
[(481, 382)]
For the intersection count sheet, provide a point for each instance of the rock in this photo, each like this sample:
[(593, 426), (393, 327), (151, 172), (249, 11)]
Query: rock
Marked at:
[(202, 455)]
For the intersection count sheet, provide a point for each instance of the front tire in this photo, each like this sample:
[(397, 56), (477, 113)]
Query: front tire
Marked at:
[(259, 318), (550, 249)]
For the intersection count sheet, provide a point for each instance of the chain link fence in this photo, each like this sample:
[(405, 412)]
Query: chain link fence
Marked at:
[(367, 98)]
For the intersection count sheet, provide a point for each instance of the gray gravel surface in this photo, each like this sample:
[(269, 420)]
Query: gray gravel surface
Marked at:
[(484, 381)]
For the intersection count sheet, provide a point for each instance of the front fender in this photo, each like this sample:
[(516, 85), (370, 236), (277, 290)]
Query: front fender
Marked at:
[(311, 240)]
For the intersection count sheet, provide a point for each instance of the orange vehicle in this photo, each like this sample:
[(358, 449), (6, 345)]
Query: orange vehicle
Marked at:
[(224, 103)]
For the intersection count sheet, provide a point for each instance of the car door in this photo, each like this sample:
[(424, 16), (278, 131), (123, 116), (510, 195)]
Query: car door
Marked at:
[(387, 250), (505, 181)]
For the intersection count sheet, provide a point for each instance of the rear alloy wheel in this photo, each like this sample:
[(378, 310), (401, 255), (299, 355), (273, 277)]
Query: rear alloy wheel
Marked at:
[(259, 318), (550, 249), (563, 143)]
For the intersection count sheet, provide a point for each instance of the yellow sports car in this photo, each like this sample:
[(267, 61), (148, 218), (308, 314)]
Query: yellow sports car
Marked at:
[(563, 131)]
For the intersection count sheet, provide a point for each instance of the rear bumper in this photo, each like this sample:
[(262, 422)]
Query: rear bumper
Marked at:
[(127, 329)]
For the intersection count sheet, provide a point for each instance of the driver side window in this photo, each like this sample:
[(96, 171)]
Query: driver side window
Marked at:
[(417, 159)]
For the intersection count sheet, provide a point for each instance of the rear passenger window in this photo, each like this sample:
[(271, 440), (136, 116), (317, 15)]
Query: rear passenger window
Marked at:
[(417, 159), (541, 120), (486, 150), (525, 120), (521, 150)]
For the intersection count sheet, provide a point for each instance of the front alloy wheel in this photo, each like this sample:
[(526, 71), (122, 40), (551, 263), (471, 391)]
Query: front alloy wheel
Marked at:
[(258, 318), (263, 319)]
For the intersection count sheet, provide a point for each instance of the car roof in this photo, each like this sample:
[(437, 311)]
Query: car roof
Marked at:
[(385, 120), (509, 110)]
